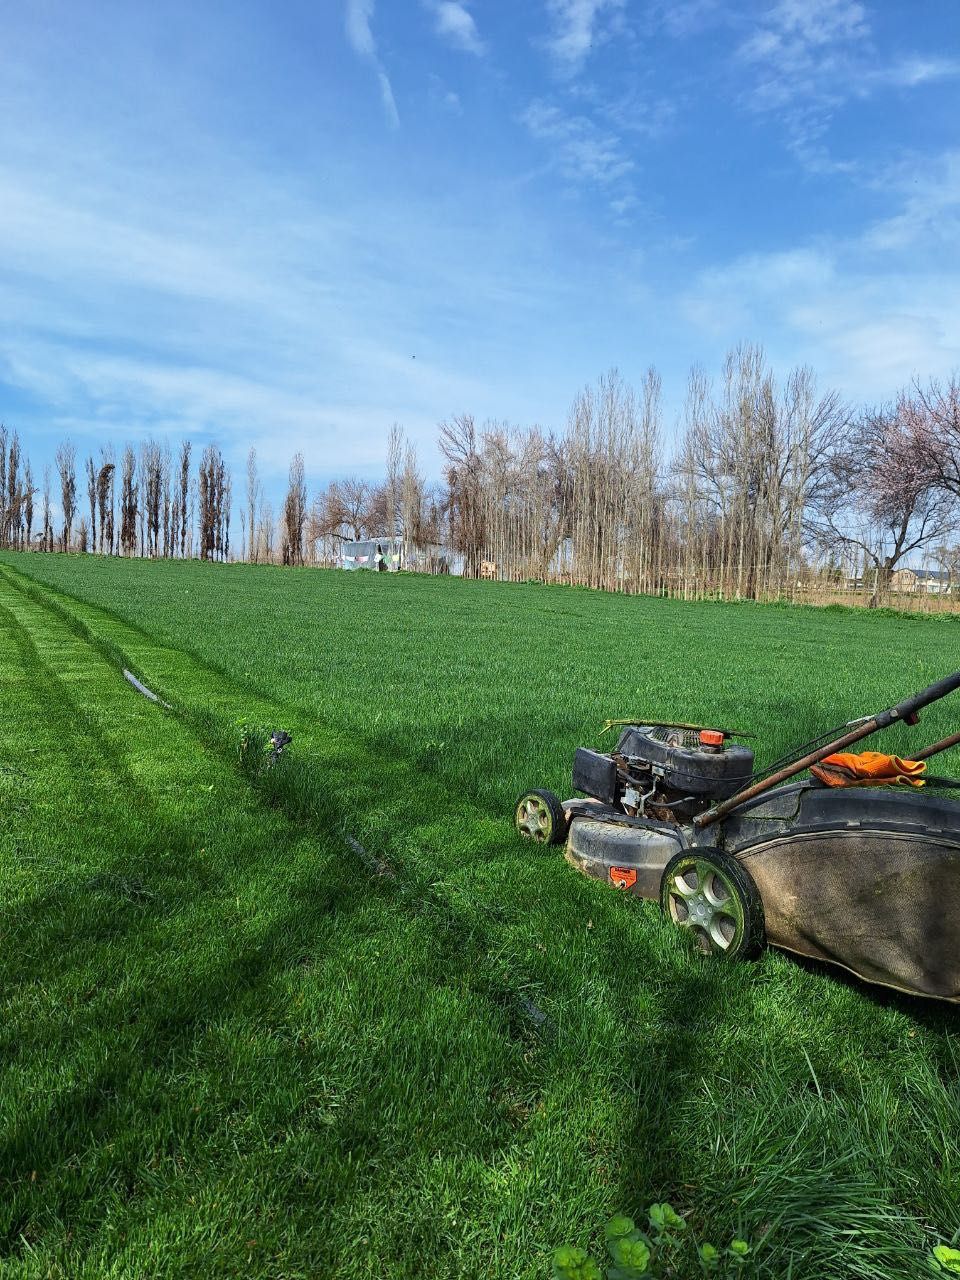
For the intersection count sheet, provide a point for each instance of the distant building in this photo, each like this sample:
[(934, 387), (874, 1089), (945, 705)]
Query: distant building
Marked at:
[(933, 581), (372, 553)]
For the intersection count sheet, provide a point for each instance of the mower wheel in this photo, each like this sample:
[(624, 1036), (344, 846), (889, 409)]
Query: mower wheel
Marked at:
[(539, 815), (712, 894)]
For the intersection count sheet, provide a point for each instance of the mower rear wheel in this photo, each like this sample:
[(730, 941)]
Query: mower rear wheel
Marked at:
[(539, 815), (713, 895)]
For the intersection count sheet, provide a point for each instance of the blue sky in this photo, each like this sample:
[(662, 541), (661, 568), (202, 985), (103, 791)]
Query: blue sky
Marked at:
[(291, 225)]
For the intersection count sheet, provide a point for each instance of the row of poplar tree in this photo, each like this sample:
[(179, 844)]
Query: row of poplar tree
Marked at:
[(767, 489)]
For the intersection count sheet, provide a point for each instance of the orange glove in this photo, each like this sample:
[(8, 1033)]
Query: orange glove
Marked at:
[(868, 769)]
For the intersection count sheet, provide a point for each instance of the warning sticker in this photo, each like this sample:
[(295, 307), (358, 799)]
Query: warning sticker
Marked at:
[(623, 877)]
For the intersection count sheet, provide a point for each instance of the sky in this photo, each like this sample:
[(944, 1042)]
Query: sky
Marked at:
[(289, 226)]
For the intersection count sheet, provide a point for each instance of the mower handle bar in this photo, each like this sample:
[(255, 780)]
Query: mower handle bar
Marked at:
[(933, 693), (905, 711)]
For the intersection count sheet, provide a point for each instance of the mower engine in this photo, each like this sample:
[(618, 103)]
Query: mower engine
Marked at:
[(667, 772)]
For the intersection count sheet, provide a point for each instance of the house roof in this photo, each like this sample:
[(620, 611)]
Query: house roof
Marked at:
[(927, 575)]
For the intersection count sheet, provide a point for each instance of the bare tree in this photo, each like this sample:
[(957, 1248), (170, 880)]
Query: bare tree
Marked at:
[(877, 501), (326, 523), (29, 491), (750, 462), (213, 490), (946, 556), (207, 495), (11, 491), (354, 502), (47, 526), (167, 516), (66, 459), (294, 513), (265, 531), (253, 499), (12, 502), (226, 509), (154, 472), (105, 477), (458, 444), (3, 485), (394, 482), (412, 523), (129, 502), (91, 473), (185, 507)]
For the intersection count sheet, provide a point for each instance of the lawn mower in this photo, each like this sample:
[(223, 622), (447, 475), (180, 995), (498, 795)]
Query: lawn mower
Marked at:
[(857, 865)]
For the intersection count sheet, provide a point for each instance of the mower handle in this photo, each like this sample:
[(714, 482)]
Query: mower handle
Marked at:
[(910, 706)]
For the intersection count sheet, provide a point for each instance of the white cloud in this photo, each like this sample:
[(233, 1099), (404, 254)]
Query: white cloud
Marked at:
[(387, 98), (454, 22), (816, 23), (867, 333), (807, 58), (624, 205), (801, 50), (930, 215), (730, 299), (577, 29), (636, 112), (359, 31), (914, 71), (359, 28), (686, 17), (583, 150)]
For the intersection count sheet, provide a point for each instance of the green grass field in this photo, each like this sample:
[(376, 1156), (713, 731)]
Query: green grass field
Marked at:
[(334, 1020)]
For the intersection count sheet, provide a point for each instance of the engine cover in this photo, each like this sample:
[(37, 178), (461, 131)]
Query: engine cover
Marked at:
[(684, 767)]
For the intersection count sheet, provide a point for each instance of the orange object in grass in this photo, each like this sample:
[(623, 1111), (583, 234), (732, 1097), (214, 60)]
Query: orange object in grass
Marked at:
[(868, 769)]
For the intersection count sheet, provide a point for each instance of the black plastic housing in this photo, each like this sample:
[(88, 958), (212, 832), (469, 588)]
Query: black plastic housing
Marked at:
[(716, 774), (595, 775)]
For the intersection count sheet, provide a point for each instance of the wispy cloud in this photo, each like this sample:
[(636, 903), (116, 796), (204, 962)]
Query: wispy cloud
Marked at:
[(685, 17), (911, 72), (931, 210), (633, 112), (455, 23), (584, 151), (815, 23), (807, 58), (359, 30), (578, 28), (865, 332), (359, 26), (870, 310), (800, 50)]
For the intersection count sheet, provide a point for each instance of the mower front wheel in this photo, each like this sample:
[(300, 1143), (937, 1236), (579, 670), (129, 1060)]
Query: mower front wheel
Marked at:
[(713, 895), (539, 815)]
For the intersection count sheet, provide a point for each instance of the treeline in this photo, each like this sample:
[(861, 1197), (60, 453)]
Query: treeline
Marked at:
[(766, 489)]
